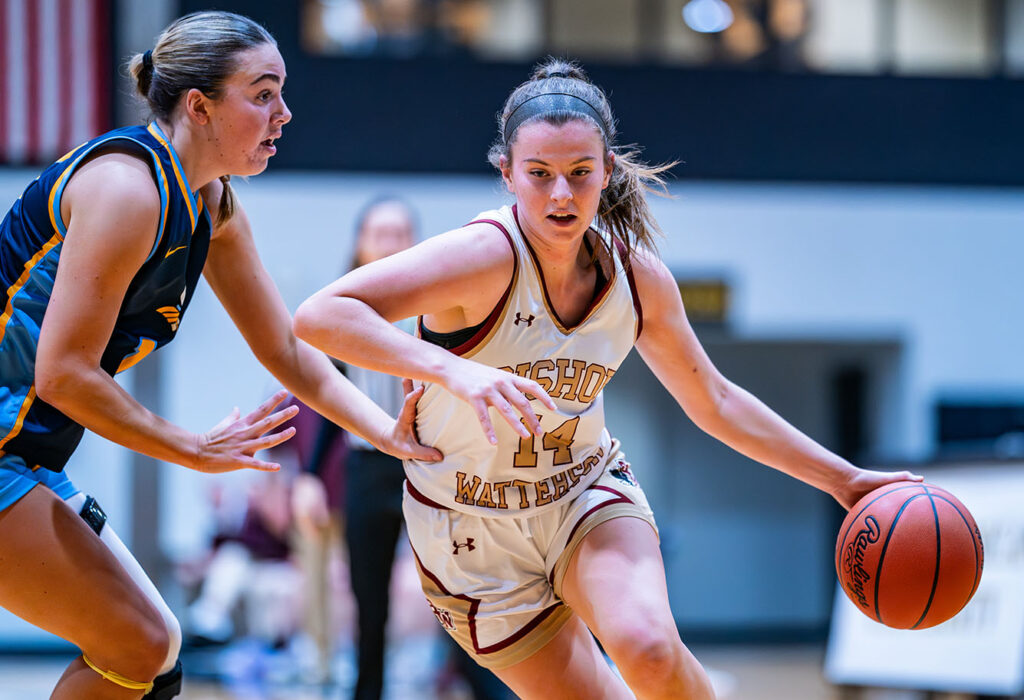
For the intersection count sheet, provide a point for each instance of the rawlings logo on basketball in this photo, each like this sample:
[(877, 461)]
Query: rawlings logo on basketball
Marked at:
[(443, 616), (853, 560)]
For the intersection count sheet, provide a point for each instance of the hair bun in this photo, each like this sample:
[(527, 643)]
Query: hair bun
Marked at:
[(559, 68)]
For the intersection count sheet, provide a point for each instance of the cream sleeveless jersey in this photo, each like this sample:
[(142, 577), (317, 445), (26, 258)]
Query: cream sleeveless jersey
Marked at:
[(524, 335)]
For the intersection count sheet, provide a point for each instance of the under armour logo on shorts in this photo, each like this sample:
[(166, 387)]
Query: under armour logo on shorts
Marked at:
[(468, 544)]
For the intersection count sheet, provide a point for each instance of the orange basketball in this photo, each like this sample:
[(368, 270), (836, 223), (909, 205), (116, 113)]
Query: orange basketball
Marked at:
[(909, 555)]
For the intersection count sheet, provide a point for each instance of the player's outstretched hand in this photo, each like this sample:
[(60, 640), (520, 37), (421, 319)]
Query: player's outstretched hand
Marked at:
[(865, 481), (484, 387), (231, 444), (401, 441)]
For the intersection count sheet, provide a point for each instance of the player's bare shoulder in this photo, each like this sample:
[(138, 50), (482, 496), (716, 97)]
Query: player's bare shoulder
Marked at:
[(652, 276), (478, 254)]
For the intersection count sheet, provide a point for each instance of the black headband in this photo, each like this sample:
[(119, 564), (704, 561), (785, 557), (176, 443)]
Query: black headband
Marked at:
[(147, 61), (548, 103)]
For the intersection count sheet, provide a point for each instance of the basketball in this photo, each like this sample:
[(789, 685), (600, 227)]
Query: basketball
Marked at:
[(909, 555)]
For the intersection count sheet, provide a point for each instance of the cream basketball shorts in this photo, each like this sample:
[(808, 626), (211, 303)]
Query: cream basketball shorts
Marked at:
[(495, 583)]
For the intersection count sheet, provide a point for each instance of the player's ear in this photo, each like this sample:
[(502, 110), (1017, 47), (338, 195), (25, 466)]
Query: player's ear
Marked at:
[(609, 165), (506, 173), (196, 106)]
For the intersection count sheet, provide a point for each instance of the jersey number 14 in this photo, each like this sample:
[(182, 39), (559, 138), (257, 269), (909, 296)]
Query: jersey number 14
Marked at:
[(558, 441)]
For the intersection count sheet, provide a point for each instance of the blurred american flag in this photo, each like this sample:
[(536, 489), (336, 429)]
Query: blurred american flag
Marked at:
[(55, 76)]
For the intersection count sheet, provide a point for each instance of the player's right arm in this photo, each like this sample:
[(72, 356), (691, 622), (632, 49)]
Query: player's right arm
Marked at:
[(111, 209), (454, 281), (726, 411)]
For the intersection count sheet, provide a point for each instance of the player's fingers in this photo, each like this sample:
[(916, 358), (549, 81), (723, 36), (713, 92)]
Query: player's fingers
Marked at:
[(910, 476), (260, 465), (407, 386), (226, 421), (480, 408), (408, 412), (532, 388), (272, 421), (265, 408), (269, 440), (424, 453), (507, 412), (530, 417)]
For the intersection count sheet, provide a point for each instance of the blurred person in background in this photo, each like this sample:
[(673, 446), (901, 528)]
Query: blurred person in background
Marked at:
[(373, 481), (100, 257), (532, 535), (251, 563), (320, 453)]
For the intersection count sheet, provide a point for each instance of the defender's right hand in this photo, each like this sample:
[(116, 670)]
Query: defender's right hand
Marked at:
[(231, 444)]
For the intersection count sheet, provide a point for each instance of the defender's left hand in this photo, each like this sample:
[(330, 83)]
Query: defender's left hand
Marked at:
[(401, 440)]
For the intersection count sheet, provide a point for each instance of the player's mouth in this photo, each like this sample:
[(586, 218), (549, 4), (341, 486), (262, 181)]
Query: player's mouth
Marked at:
[(562, 218), (268, 144)]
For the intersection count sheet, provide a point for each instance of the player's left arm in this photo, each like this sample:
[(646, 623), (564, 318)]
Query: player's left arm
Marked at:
[(249, 295), (726, 411)]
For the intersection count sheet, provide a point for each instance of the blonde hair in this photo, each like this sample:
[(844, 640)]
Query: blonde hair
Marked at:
[(197, 51), (623, 210)]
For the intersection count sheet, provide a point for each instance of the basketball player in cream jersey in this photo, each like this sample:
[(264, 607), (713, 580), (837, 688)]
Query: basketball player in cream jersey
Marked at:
[(532, 533)]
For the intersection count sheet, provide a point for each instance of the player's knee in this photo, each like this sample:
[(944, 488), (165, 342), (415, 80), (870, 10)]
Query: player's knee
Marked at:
[(652, 650), (656, 659), (653, 656), (140, 655)]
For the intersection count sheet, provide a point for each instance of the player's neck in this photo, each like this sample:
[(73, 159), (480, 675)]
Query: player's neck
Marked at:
[(191, 150)]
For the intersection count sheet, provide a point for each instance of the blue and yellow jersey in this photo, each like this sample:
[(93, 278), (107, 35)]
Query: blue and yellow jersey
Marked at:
[(31, 237)]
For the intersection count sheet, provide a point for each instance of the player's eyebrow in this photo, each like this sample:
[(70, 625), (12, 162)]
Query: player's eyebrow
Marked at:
[(575, 162), (268, 76)]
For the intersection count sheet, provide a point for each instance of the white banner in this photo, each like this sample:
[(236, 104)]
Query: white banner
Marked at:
[(981, 650)]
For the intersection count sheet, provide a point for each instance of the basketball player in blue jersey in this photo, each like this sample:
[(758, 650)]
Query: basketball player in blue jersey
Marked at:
[(532, 532), (99, 259)]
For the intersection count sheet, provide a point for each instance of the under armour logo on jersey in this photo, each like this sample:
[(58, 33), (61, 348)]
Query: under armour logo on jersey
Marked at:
[(468, 544), (528, 320)]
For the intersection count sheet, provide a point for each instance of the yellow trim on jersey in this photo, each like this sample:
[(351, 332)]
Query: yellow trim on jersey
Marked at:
[(70, 153), (146, 346), (117, 678), (193, 213), (20, 282), (22, 412), (167, 202), (53, 194)]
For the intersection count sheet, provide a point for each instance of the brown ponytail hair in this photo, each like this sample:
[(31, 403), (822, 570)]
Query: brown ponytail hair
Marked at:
[(197, 51), (623, 210)]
